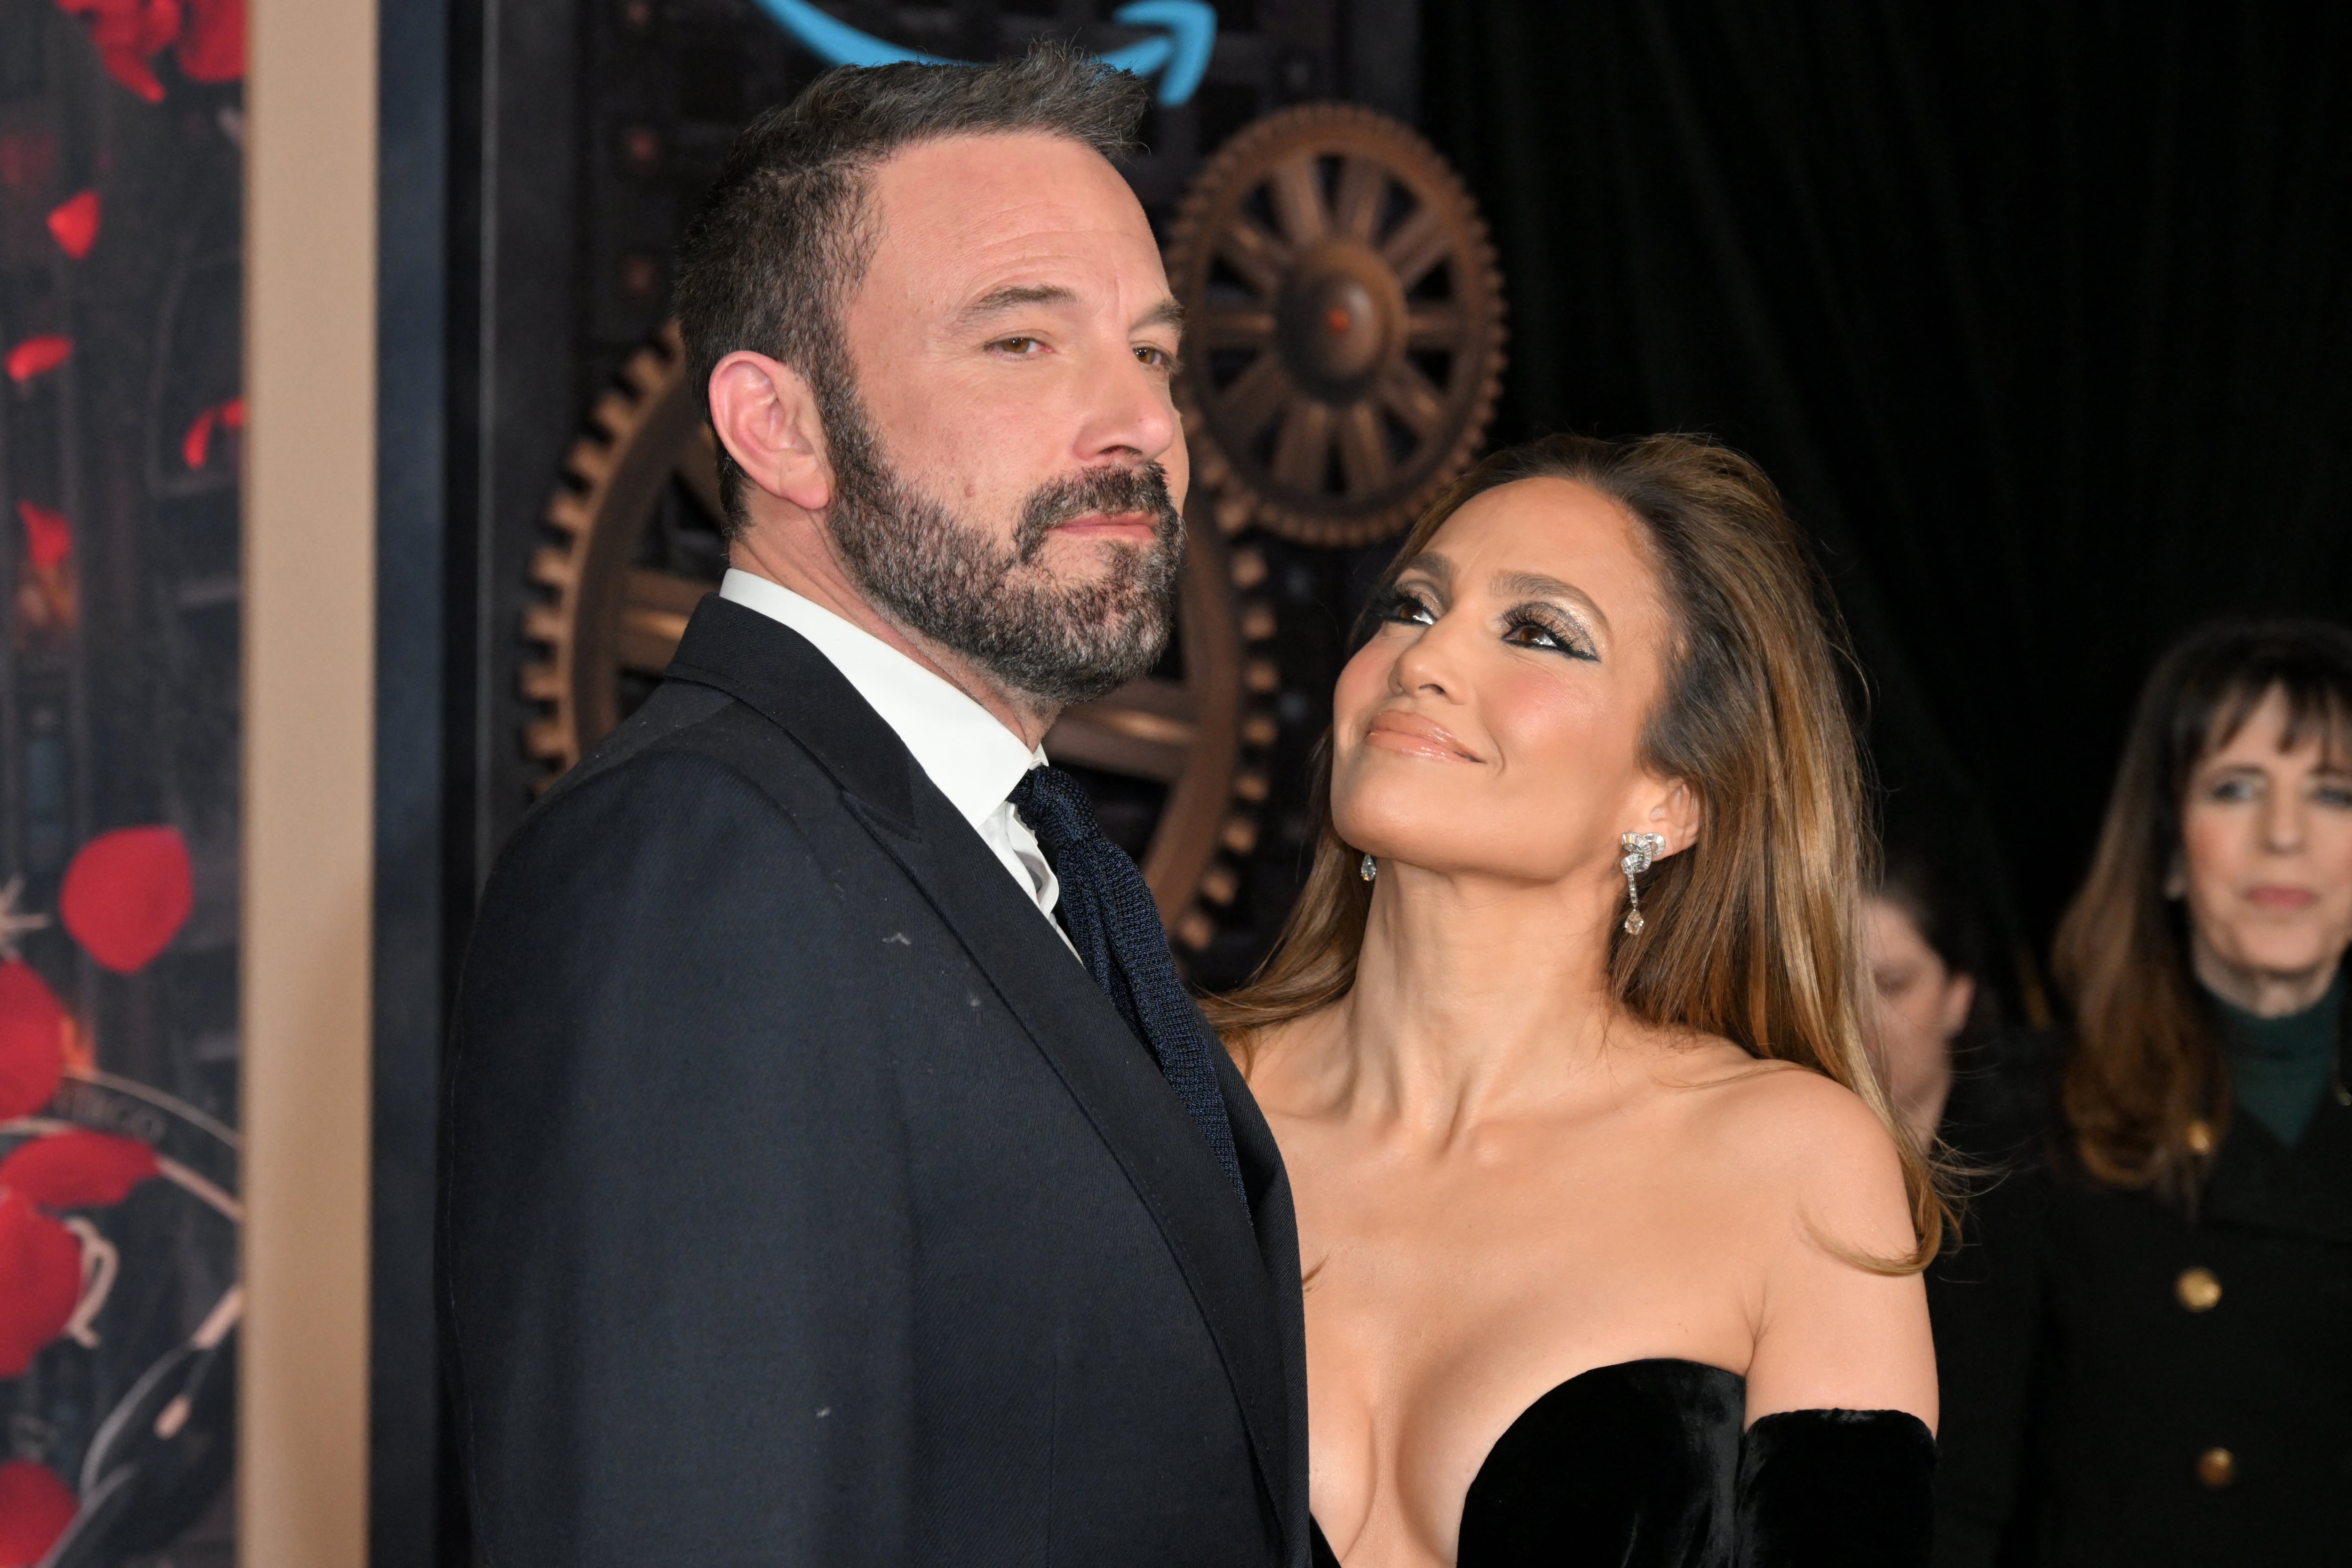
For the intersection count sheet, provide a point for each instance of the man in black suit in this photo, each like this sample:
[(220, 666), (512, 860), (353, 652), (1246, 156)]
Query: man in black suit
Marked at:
[(836, 1171)]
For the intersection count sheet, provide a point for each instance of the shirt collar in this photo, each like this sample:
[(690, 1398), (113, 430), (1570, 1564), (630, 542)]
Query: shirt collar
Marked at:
[(963, 747)]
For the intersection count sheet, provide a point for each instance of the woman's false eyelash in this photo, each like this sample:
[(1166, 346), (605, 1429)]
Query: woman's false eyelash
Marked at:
[(1394, 602), (1566, 635), (1401, 603)]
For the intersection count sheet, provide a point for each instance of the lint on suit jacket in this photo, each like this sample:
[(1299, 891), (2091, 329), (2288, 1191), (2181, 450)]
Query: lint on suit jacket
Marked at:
[(805, 1201)]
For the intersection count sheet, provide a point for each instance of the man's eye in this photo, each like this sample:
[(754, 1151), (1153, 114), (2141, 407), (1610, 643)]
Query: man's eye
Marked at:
[(1022, 346), (1158, 358)]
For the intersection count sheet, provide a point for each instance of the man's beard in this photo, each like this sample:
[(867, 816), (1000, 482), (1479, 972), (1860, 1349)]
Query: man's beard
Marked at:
[(999, 605)]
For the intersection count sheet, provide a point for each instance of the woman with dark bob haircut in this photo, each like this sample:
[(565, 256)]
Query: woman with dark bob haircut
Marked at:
[(1612, 1241), (2171, 1337)]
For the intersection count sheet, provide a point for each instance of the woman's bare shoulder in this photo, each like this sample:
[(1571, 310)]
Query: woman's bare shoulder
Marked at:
[(1783, 1131)]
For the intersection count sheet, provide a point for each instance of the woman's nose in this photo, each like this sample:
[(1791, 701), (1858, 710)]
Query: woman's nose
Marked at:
[(2282, 823), (1427, 663)]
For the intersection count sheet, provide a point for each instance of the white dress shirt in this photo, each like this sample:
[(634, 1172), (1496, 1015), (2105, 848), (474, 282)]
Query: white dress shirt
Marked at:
[(964, 749)]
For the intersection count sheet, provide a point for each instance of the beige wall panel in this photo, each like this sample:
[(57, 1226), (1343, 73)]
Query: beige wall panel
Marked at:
[(309, 693)]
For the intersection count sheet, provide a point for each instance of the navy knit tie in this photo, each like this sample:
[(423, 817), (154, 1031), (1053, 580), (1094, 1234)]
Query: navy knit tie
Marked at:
[(1112, 921)]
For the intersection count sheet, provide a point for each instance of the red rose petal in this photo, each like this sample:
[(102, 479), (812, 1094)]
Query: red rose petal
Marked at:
[(73, 224), (127, 894), (32, 1040), (40, 1283), (37, 357), (127, 35), (127, 66), (158, 24), (35, 1508), (49, 537), (213, 48), (197, 443), (76, 1170)]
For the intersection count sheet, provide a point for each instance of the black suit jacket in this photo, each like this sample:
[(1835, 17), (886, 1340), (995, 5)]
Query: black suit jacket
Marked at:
[(805, 1202)]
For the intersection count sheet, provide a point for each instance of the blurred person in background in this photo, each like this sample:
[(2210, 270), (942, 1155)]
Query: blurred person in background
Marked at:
[(1977, 1098), (1925, 953), (2160, 1359)]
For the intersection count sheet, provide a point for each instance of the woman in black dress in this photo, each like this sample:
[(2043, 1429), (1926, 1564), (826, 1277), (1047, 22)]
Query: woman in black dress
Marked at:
[(1612, 1241), (2157, 1360)]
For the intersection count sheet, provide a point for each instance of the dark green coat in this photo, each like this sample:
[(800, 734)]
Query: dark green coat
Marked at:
[(2127, 1384)]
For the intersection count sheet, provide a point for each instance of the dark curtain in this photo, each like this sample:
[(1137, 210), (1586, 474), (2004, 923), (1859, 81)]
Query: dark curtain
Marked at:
[(2037, 312)]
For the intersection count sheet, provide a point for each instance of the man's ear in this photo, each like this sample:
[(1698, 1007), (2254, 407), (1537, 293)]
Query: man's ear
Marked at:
[(1675, 814), (766, 417)]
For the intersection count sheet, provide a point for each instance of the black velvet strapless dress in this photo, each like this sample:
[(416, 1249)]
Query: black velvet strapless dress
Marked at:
[(1644, 1465)]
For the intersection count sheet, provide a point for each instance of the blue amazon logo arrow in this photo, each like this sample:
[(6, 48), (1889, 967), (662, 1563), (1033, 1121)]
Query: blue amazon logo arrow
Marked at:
[(1178, 53)]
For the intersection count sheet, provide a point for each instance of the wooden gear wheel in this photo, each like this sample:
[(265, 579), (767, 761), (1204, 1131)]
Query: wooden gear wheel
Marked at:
[(1344, 333), (637, 547)]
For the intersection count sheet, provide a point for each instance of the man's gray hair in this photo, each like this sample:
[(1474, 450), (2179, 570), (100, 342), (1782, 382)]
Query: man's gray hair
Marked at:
[(786, 234)]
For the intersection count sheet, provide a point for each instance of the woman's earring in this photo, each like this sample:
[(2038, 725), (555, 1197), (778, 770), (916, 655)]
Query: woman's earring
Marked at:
[(1370, 868), (1641, 851)]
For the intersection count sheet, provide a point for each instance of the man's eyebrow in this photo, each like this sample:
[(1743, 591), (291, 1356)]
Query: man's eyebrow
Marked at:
[(1169, 314), (1012, 297), (1535, 585)]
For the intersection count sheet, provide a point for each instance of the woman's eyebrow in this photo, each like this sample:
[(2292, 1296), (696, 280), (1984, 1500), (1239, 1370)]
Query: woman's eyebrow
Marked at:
[(1535, 585), (1433, 566)]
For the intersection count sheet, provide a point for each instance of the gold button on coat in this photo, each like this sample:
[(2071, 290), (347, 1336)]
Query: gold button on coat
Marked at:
[(2199, 1291), (2217, 1466)]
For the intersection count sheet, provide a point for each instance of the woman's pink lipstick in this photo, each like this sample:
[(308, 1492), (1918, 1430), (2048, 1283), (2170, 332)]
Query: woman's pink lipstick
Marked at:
[(2270, 897), (1415, 736)]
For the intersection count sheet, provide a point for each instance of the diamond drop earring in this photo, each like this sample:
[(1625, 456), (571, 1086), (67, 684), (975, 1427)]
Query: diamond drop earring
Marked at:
[(1641, 852), (1370, 868)]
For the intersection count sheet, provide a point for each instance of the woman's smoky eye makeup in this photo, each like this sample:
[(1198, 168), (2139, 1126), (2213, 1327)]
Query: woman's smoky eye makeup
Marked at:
[(1406, 605), (1546, 626), (1531, 624)]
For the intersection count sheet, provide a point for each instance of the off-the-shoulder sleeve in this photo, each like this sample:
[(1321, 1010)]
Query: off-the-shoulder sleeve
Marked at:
[(1836, 1488)]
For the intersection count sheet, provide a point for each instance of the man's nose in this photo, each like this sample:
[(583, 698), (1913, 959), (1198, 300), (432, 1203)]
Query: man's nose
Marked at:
[(1128, 410)]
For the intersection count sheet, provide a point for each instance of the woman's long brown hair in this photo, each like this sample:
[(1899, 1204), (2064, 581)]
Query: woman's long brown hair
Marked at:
[(2146, 1093), (1753, 932)]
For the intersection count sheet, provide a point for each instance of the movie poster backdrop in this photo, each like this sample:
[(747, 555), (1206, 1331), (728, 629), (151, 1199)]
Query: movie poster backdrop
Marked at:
[(121, 424)]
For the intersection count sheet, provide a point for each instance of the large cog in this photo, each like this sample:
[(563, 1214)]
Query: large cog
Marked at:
[(1344, 331)]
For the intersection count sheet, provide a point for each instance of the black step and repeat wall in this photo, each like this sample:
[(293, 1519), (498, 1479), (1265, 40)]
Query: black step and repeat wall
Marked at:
[(2038, 313), (2035, 313)]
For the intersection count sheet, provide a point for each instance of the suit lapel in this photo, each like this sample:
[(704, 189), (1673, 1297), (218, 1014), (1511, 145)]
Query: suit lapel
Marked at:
[(1228, 1264), (1278, 1242), (1115, 1082)]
